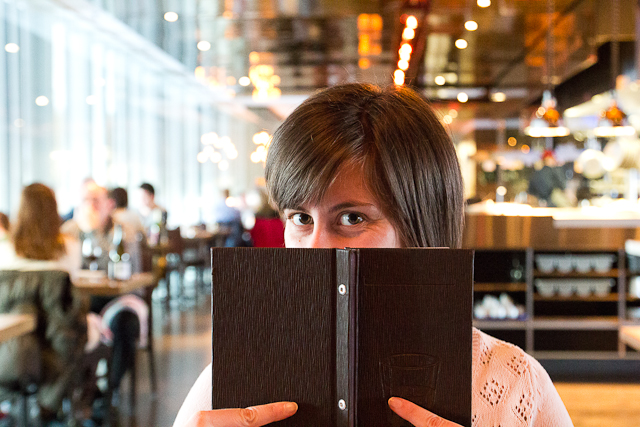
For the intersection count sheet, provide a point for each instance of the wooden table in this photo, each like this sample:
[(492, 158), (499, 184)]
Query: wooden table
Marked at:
[(630, 335), (14, 325), (103, 286)]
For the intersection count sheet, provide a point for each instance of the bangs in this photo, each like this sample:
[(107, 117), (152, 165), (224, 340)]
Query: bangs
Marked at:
[(304, 177), (306, 154)]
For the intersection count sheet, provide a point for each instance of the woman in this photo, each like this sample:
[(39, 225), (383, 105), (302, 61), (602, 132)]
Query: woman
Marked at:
[(360, 166), (34, 279)]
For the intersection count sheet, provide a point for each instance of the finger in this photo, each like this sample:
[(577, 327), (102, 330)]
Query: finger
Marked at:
[(416, 415), (253, 416)]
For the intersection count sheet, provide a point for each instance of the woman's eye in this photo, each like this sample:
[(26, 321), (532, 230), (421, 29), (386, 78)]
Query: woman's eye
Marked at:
[(351, 219), (302, 219)]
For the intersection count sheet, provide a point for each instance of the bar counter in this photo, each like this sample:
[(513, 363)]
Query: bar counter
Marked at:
[(516, 226)]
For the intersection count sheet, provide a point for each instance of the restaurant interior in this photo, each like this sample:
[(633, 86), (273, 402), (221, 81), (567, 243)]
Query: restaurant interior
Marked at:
[(174, 103)]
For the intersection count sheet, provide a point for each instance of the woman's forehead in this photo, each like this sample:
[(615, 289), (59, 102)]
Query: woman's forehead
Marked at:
[(349, 187)]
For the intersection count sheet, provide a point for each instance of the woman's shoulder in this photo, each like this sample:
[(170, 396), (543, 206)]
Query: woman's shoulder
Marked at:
[(508, 382), (498, 361), (198, 399)]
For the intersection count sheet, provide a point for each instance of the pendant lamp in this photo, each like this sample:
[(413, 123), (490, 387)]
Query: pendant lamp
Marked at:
[(613, 121), (547, 121)]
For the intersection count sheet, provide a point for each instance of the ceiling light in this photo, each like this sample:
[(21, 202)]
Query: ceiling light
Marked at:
[(512, 142), (471, 25), (204, 45), (244, 81), (171, 17), (11, 48), (412, 22), (484, 3), (463, 97), (461, 44), (42, 101), (498, 97), (614, 131), (403, 65), (546, 132), (440, 80), (408, 34), (405, 49), (364, 63), (398, 77)]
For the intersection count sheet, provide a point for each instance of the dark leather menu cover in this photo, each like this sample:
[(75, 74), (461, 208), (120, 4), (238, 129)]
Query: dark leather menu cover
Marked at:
[(340, 331)]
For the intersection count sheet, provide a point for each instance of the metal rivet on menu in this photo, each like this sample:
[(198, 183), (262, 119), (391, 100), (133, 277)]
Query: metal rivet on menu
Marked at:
[(342, 289), (341, 403)]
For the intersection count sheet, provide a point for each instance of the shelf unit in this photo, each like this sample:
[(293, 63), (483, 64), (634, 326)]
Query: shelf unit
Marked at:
[(555, 326)]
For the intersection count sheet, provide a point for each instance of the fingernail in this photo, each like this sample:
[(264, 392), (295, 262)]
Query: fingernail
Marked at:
[(395, 403), (291, 407)]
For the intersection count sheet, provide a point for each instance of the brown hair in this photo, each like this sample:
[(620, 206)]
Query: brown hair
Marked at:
[(4, 221), (408, 159), (36, 232)]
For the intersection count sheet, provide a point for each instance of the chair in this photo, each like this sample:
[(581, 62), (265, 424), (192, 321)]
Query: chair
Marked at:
[(184, 253), (31, 364)]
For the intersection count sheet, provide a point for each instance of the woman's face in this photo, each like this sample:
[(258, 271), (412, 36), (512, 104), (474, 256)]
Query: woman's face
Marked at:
[(347, 216)]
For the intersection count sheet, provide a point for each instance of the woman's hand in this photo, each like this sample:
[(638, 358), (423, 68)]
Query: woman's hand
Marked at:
[(253, 416), (416, 415)]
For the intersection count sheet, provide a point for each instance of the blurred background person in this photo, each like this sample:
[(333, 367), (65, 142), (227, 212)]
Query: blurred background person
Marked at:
[(92, 226), (154, 217), (55, 348), (225, 213), (36, 237), (268, 231), (130, 221), (126, 317), (549, 182), (229, 218)]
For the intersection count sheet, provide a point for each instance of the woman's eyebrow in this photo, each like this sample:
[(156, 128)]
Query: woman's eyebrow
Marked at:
[(351, 204)]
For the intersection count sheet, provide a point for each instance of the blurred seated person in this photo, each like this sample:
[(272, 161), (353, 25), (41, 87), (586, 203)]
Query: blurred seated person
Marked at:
[(224, 214), (130, 221), (35, 280), (268, 231), (93, 225), (548, 183), (229, 218), (154, 217)]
